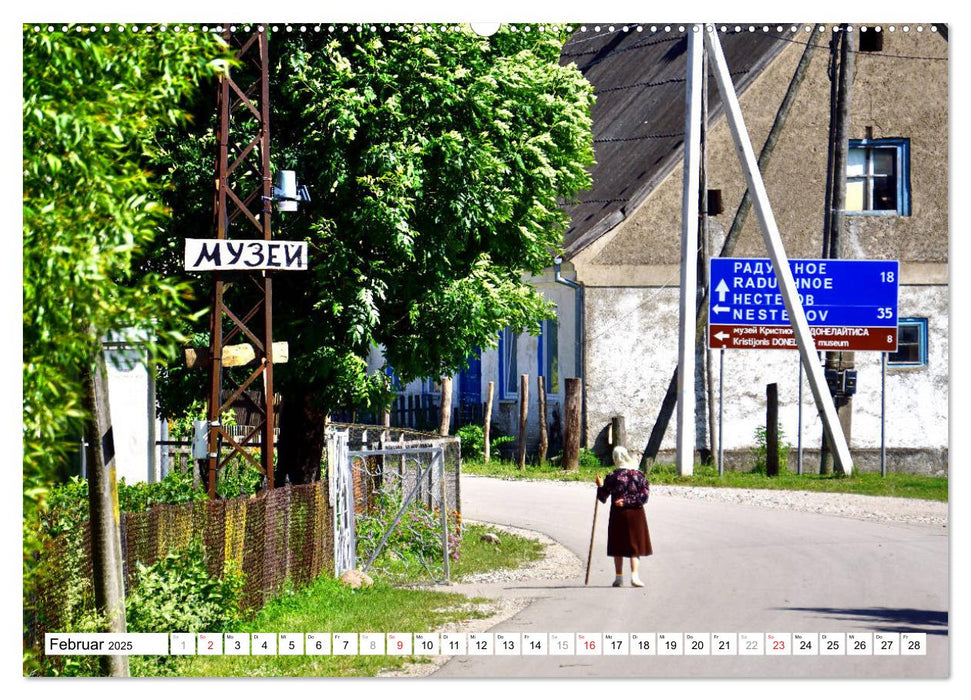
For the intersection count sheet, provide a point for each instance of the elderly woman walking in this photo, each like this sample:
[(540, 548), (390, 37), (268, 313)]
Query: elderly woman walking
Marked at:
[(627, 533)]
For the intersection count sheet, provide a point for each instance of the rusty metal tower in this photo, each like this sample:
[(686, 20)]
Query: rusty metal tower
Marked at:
[(243, 204)]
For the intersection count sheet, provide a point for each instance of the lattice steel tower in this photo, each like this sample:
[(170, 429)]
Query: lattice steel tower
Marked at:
[(243, 205)]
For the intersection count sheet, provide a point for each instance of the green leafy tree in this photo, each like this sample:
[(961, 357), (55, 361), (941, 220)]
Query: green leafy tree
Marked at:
[(93, 103), (437, 161)]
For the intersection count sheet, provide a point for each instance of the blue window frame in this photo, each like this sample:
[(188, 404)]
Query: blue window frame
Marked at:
[(508, 373), (878, 177), (911, 343), (549, 355)]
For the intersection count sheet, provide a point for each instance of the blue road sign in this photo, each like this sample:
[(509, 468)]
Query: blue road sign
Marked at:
[(849, 304)]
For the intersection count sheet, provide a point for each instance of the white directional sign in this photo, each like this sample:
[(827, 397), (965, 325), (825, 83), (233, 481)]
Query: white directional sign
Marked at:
[(203, 254)]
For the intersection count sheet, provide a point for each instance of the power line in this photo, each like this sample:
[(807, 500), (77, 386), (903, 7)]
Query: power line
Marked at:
[(858, 52)]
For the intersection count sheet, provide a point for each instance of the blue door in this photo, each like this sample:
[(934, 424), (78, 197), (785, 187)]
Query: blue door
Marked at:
[(470, 381), (470, 391)]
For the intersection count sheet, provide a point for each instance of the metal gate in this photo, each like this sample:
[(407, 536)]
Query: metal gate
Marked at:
[(340, 481), (393, 499)]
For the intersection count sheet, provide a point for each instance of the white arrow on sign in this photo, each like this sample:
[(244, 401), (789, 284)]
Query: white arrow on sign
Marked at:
[(723, 336), (722, 290), (719, 309)]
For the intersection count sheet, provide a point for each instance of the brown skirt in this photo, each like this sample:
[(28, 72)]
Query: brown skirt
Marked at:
[(627, 534)]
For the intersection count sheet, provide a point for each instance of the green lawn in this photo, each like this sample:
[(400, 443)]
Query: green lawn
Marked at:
[(872, 484), (328, 606)]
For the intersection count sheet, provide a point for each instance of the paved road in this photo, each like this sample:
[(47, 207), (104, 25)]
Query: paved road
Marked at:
[(719, 567)]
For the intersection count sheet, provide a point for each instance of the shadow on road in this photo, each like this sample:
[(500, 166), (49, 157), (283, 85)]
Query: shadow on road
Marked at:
[(888, 619)]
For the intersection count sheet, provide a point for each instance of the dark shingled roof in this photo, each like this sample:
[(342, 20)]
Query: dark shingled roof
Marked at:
[(638, 119)]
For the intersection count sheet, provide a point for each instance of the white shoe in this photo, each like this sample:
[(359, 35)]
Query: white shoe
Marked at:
[(636, 582)]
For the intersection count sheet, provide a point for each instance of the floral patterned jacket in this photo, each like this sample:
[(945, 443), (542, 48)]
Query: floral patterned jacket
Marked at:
[(629, 484)]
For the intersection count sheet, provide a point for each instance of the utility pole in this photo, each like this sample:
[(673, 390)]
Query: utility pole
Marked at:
[(704, 252), (838, 362), (689, 254), (728, 247), (105, 520)]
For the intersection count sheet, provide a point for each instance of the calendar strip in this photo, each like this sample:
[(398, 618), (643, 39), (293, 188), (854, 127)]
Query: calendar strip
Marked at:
[(775, 644)]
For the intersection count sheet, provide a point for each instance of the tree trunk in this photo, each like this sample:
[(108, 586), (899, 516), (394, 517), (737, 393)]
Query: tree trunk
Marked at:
[(302, 438)]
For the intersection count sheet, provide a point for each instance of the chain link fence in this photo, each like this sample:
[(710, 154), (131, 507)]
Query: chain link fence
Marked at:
[(280, 537)]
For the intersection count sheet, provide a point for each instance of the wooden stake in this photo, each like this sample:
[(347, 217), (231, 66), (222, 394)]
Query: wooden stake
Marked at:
[(488, 423), (571, 424), (772, 430), (544, 441), (523, 415), (446, 411)]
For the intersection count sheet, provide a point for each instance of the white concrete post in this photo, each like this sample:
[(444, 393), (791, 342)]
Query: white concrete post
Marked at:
[(689, 255), (777, 253)]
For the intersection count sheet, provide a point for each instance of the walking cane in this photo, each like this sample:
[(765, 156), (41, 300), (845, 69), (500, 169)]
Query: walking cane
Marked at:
[(593, 529)]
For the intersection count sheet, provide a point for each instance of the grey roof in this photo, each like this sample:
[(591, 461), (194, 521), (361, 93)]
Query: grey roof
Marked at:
[(638, 118)]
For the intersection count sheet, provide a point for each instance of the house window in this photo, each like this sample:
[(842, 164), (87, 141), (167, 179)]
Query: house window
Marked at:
[(508, 373), (878, 177), (393, 376), (549, 355), (911, 343)]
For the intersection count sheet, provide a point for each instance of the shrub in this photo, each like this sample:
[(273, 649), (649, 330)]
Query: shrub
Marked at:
[(760, 452), (177, 594), (503, 446), (589, 460), (473, 440), (239, 478), (417, 538)]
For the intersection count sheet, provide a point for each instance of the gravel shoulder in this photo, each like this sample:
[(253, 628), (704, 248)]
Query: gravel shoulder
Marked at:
[(908, 511)]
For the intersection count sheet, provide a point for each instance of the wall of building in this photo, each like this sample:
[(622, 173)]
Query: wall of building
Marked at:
[(899, 92), (131, 404), (631, 274)]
